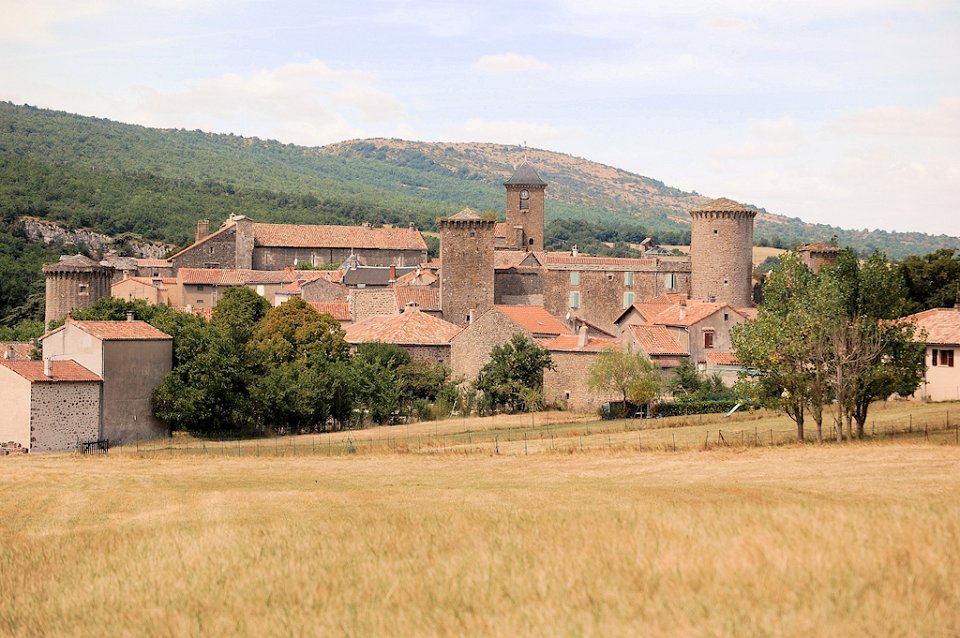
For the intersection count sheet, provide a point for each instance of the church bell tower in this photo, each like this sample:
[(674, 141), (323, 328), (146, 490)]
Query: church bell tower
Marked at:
[(525, 192)]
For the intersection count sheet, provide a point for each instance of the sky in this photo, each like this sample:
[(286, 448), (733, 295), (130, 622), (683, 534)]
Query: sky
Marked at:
[(845, 112)]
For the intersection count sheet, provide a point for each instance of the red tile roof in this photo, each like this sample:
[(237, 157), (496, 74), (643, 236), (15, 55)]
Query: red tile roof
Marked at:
[(693, 312), (942, 325), (21, 350), (309, 236), (424, 298), (411, 327), (570, 343), (120, 330), (243, 276), (144, 281), (723, 358), (566, 261), (32, 371), (656, 340), (339, 310), (513, 258), (422, 277), (154, 263), (535, 319)]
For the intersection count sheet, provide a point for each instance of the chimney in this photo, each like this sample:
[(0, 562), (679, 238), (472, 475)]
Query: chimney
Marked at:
[(10, 354), (470, 317), (393, 273), (203, 228), (575, 252), (366, 224), (412, 226), (47, 367), (129, 316), (582, 336), (683, 308)]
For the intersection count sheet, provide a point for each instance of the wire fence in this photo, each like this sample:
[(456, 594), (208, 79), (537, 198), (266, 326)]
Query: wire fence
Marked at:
[(560, 438)]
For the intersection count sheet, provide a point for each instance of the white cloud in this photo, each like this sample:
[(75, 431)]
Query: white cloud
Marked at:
[(942, 120), (509, 63), (767, 139), (305, 103)]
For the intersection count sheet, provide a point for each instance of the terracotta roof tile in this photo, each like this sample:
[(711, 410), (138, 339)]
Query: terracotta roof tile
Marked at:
[(570, 343), (723, 358), (424, 298), (411, 327), (693, 312), (242, 276), (309, 235), (339, 310), (536, 320), (32, 371), (656, 340), (819, 247), (121, 330), (419, 277), (566, 261), (21, 350), (942, 325), (154, 263), (723, 205)]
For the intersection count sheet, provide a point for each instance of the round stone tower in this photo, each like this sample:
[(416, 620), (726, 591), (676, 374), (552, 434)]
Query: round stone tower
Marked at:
[(466, 266), (74, 282), (721, 253)]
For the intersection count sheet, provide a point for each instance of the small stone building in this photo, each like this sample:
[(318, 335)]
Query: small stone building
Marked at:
[(132, 358), (424, 337), (818, 254), (48, 406)]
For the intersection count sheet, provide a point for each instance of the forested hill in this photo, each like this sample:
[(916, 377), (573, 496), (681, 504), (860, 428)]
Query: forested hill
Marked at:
[(120, 178)]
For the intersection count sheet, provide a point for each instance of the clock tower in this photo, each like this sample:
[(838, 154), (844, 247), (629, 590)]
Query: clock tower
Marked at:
[(525, 191)]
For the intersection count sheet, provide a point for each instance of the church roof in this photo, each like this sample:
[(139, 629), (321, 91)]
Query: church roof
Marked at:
[(524, 175)]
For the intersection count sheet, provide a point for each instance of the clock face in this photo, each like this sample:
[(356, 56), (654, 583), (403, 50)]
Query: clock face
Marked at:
[(524, 194)]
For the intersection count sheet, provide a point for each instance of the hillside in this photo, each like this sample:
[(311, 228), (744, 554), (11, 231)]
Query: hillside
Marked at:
[(132, 181)]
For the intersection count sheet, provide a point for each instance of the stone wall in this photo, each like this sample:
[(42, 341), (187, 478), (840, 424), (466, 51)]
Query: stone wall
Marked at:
[(278, 257), (322, 290), (467, 275), (721, 256), (68, 290), (518, 287), (132, 370), (470, 350), (63, 413), (567, 385), (429, 353), (720, 323), (372, 302), (219, 251)]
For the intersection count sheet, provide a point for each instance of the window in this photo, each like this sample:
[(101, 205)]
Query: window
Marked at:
[(726, 316), (708, 339), (670, 280), (942, 358), (574, 300), (627, 299), (609, 276), (83, 289), (628, 279), (574, 278), (200, 288), (209, 250)]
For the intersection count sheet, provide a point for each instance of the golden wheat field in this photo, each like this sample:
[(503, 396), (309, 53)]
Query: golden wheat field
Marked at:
[(837, 540)]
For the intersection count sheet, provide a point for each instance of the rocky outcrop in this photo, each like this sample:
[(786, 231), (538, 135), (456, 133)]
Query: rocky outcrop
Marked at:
[(49, 232)]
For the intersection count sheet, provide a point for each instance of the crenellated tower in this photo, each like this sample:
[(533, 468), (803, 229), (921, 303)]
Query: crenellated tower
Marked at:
[(721, 252)]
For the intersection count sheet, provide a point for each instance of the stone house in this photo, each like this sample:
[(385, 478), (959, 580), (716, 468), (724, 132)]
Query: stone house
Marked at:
[(242, 243), (939, 328), (424, 337), (699, 328), (818, 254), (657, 343), (48, 405), (573, 352), (131, 357), (153, 290)]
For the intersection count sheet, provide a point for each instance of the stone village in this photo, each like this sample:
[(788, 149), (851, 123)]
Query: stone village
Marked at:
[(492, 281)]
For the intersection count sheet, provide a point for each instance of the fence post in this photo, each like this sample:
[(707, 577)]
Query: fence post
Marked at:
[(497, 443), (674, 434), (524, 443)]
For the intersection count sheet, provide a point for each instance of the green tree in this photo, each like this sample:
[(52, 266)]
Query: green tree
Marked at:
[(631, 375), (933, 280), (238, 311), (295, 331), (514, 367)]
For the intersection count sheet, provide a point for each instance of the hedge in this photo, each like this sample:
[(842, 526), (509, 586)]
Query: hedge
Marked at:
[(683, 408)]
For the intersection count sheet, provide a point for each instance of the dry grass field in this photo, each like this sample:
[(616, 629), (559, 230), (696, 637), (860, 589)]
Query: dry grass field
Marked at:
[(837, 540), (760, 253)]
